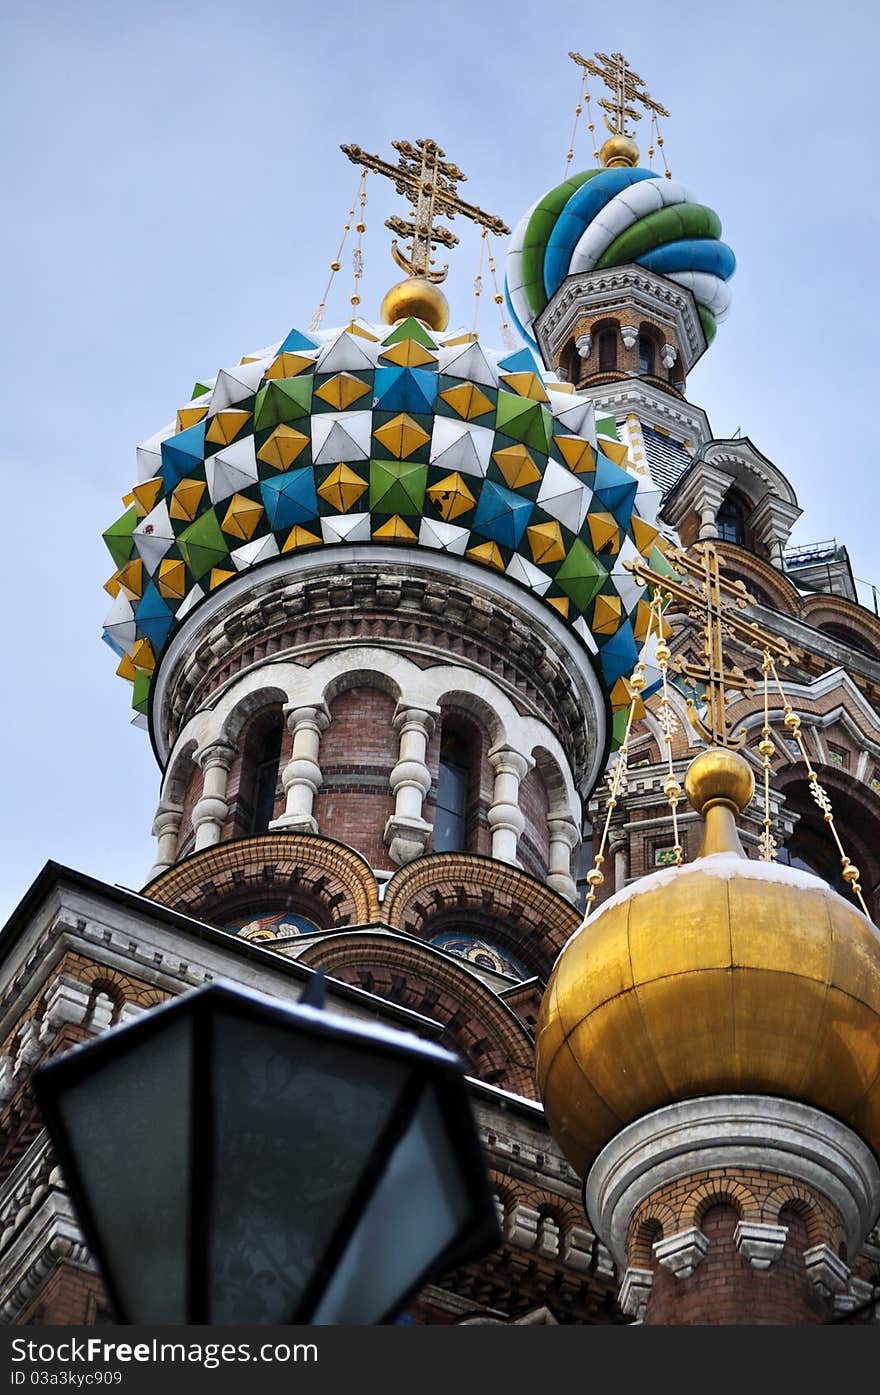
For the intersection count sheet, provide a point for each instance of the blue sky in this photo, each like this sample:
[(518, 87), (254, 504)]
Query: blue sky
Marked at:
[(173, 195)]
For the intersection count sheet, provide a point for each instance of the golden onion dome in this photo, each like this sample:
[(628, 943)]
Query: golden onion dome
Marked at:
[(418, 298), (724, 976), (619, 151)]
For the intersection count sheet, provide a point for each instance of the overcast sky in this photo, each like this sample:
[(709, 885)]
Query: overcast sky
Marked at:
[(173, 193)]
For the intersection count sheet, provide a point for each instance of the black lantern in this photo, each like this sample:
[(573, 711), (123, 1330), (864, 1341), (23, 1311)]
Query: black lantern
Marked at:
[(233, 1159)]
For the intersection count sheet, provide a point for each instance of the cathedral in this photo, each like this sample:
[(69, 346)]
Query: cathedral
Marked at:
[(484, 679)]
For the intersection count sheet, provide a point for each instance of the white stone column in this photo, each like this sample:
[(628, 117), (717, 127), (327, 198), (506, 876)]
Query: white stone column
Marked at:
[(166, 830), (564, 837), (211, 810), (406, 832), (505, 816), (619, 849), (301, 776)]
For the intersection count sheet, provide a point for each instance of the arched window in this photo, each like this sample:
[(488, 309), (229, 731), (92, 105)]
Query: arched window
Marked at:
[(570, 363), (607, 350), (453, 787), (647, 356), (730, 522), (266, 761)]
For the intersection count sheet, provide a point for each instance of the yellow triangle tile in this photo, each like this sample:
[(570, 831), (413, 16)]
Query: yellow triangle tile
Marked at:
[(283, 447), (128, 500), (248, 358), (341, 390), (644, 535), (111, 585), (517, 466), (242, 517), (452, 496), (545, 540), (408, 353), (126, 668), (342, 488), (226, 425), (560, 603), (604, 530), (172, 579), (396, 530), (487, 552), (561, 387), (300, 537), (577, 453), (142, 656), (607, 612), (185, 499), (217, 577), (621, 695), (361, 332), (131, 579), (288, 366), (401, 436), (467, 400), (190, 416), (615, 451), (526, 385), (146, 493), (459, 339)]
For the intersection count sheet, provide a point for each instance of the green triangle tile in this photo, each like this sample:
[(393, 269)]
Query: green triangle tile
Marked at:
[(202, 544), (397, 486), (526, 420), (141, 695), (283, 399), (581, 575), (118, 537), (658, 563), (199, 390), (618, 727), (410, 329), (606, 426)]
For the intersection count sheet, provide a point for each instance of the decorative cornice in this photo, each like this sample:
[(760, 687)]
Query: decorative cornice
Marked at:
[(595, 292), (736, 1131)]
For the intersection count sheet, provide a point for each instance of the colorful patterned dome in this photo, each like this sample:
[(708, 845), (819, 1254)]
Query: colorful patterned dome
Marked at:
[(609, 217), (395, 436)]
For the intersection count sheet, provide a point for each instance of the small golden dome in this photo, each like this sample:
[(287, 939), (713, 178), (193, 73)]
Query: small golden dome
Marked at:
[(618, 151), (418, 298), (725, 976)]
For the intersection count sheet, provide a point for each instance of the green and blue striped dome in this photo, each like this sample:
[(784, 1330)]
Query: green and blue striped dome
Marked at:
[(610, 217)]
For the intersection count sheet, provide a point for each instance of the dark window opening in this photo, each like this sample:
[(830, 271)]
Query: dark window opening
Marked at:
[(453, 784), (268, 757), (730, 524), (647, 352), (607, 350)]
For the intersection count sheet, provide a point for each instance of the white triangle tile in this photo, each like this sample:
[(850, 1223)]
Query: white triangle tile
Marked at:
[(346, 354), (563, 496), (521, 569), (253, 552), (154, 535), (456, 445), (469, 363), (346, 527), (191, 599), (446, 536), (338, 437), (581, 627)]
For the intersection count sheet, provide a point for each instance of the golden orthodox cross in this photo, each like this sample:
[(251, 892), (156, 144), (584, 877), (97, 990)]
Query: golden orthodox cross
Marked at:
[(429, 181), (718, 603), (626, 87)]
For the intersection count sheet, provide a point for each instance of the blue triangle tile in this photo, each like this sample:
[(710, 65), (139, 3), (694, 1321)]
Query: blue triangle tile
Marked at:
[(502, 515), (523, 361), (291, 498), (153, 617), (296, 341), (181, 453), (404, 389)]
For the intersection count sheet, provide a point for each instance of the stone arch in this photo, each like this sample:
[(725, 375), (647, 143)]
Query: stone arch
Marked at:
[(843, 620), (768, 585), (179, 771), (856, 814), (791, 1196), (645, 1234), (476, 1023), (718, 1192), (249, 706), (533, 920), (270, 872)]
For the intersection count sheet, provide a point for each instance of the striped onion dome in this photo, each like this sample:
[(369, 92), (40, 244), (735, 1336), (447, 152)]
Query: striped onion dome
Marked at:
[(610, 217)]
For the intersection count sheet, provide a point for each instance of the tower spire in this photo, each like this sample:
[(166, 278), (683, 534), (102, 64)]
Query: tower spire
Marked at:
[(628, 94), (428, 181)]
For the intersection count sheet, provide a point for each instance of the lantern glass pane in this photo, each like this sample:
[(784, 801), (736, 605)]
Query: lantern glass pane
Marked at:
[(128, 1126), (418, 1208), (296, 1120)]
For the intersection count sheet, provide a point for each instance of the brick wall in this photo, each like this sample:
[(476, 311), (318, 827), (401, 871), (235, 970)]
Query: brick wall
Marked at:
[(359, 750), (534, 843)]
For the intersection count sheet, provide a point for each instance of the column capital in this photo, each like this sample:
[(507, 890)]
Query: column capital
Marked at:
[(635, 1292), (827, 1270), (315, 714), (507, 761), (760, 1244), (682, 1252), (216, 753), (415, 714)]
